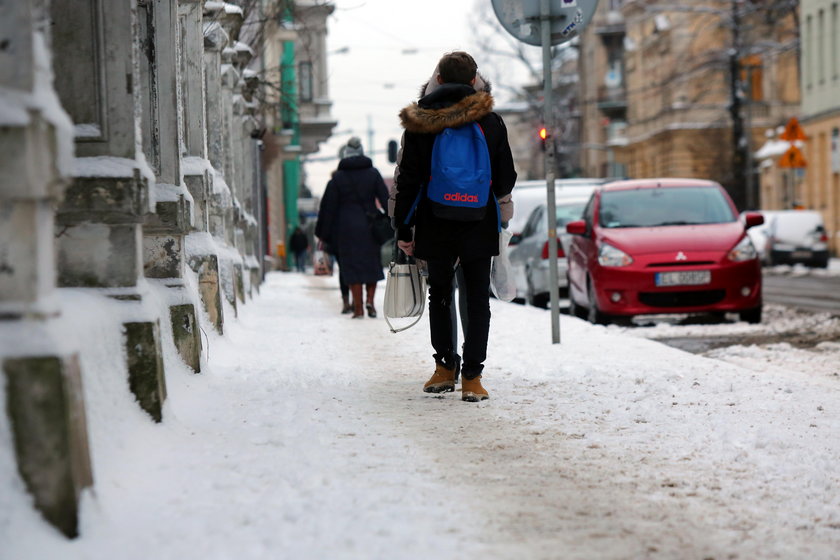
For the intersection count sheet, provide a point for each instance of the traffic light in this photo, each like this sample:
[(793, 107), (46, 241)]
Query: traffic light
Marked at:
[(543, 135), (392, 151)]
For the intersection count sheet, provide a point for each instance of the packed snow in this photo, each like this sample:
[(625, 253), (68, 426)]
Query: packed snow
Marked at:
[(307, 435)]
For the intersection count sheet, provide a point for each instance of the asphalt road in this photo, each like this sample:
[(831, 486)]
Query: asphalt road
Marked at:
[(808, 293)]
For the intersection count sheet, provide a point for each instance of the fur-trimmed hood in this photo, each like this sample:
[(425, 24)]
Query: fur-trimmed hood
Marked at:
[(427, 115), (450, 105)]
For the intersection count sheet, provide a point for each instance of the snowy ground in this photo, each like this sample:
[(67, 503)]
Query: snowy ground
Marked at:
[(308, 436)]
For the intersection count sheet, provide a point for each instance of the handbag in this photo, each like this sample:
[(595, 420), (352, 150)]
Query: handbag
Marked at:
[(379, 223), (380, 226), (405, 290)]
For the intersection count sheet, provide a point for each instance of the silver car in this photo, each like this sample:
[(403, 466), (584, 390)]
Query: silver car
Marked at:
[(529, 252), (527, 195)]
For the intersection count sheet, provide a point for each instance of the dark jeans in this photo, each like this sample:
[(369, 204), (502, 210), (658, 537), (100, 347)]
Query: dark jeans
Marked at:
[(300, 260), (477, 288)]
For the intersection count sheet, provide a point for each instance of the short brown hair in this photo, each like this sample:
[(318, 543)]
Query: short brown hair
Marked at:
[(457, 67)]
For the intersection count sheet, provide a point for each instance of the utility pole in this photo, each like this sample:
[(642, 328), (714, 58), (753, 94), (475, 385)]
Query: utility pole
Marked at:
[(740, 145), (370, 134)]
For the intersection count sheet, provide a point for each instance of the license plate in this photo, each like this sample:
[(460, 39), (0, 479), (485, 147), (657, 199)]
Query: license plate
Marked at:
[(801, 254), (683, 278)]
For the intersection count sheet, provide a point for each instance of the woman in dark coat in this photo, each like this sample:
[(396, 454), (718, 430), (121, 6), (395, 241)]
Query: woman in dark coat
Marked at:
[(343, 223)]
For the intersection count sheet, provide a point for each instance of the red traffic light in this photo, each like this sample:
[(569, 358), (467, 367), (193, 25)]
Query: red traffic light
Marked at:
[(543, 133)]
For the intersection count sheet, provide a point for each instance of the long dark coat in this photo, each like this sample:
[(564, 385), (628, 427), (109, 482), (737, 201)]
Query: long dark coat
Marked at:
[(343, 223), (450, 105)]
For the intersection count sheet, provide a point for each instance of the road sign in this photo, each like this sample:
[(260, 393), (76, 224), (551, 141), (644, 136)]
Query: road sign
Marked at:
[(521, 18), (545, 23), (793, 131), (792, 158)]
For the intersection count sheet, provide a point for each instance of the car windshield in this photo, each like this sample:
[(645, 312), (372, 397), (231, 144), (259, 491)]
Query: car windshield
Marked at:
[(663, 206), (570, 212), (566, 212)]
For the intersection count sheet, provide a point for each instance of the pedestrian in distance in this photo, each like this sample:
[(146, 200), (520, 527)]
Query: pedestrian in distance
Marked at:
[(351, 195), (453, 182), (299, 244)]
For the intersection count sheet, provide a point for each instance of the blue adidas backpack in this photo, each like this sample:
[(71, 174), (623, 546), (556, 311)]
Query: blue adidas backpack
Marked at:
[(459, 186)]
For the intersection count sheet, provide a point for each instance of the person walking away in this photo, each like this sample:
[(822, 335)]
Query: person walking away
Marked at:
[(298, 243), (353, 192), (444, 233)]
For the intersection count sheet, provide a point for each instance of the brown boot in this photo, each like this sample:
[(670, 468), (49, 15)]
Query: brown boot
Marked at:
[(371, 293), (442, 381), (358, 309), (472, 391)]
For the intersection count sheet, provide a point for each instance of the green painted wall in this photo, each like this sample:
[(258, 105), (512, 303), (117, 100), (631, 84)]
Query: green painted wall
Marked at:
[(290, 116)]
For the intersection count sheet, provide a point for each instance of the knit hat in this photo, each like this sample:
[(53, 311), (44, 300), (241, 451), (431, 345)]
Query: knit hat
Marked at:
[(353, 148)]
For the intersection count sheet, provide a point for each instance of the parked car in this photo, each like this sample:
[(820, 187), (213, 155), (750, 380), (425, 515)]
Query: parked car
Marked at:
[(527, 195), (796, 237), (529, 257), (759, 235), (656, 246)]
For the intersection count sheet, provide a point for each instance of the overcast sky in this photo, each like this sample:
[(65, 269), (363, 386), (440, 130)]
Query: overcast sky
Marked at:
[(393, 48)]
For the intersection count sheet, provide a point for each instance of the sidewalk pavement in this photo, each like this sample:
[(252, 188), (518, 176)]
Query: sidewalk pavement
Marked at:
[(309, 436)]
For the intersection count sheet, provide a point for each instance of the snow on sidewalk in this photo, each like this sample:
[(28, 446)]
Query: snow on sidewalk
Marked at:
[(308, 436)]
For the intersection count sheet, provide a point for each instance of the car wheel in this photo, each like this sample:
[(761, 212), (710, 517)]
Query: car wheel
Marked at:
[(752, 316), (594, 315)]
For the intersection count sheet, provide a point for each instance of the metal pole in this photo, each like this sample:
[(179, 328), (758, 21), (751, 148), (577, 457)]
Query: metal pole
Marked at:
[(752, 203), (370, 134), (548, 118)]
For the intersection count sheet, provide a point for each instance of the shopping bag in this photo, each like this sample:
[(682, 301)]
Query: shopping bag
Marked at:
[(501, 273), (405, 291), (321, 263)]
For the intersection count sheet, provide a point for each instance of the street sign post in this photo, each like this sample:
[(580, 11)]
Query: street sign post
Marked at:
[(546, 23), (792, 159)]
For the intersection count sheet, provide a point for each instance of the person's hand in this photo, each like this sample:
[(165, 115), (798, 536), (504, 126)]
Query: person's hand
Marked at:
[(406, 247)]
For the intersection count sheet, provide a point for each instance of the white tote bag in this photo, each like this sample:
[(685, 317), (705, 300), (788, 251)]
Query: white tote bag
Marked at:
[(405, 292), (501, 271)]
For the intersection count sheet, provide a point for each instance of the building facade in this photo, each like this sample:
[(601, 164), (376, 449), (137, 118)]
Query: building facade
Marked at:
[(293, 59), (131, 181), (667, 89), (819, 188)]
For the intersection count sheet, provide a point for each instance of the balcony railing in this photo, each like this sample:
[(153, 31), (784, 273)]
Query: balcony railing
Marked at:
[(612, 97)]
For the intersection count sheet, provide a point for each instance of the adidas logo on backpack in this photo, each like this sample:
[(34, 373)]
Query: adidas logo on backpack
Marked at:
[(459, 186)]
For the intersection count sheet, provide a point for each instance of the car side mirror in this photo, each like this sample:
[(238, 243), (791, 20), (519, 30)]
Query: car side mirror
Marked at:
[(752, 219), (578, 227), (515, 239)]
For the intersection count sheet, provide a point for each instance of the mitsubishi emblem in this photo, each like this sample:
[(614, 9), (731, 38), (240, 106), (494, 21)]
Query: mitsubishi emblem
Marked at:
[(681, 256)]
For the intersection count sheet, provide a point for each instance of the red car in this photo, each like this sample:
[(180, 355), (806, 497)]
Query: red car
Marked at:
[(655, 246)]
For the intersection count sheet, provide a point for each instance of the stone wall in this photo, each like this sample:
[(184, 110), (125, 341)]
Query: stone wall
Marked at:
[(129, 169)]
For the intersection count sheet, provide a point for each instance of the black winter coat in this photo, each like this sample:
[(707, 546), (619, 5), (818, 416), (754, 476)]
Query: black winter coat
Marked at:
[(343, 223), (450, 105)]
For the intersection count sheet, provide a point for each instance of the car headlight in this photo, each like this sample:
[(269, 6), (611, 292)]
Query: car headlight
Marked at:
[(610, 256), (743, 251)]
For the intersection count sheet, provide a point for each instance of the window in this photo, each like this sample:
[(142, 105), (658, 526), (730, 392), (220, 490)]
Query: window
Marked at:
[(305, 78), (821, 46), (808, 53), (751, 77)]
